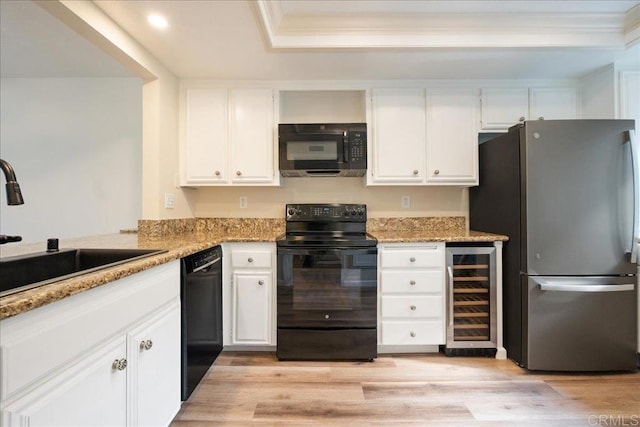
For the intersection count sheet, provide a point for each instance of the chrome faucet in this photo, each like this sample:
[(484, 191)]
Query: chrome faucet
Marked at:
[(14, 196)]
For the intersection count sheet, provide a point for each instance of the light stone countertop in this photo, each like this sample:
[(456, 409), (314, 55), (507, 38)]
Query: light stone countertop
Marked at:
[(178, 245)]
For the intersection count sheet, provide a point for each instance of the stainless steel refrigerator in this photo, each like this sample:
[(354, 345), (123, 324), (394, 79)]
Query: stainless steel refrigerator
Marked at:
[(566, 194)]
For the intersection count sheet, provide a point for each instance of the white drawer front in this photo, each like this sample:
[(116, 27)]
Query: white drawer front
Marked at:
[(410, 307), (412, 281), (409, 257), (250, 259), (412, 333)]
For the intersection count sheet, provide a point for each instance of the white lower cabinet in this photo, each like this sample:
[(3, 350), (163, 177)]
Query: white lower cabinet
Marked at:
[(249, 295), (106, 357), (90, 393), (411, 294)]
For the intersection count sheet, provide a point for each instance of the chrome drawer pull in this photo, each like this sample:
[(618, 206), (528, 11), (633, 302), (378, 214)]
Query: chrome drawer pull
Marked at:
[(413, 308), (413, 334)]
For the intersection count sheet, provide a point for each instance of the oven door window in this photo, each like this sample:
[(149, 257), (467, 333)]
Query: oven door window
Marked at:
[(327, 288)]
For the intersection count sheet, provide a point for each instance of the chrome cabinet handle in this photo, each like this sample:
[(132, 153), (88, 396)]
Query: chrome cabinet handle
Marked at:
[(436, 172), (250, 259), (217, 173), (412, 259), (413, 308), (413, 334), (238, 173), (260, 282), (412, 283), (541, 118), (146, 345), (415, 171), (521, 119), (119, 365)]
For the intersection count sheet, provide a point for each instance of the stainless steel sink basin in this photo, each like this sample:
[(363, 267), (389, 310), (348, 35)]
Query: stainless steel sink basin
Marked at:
[(23, 272)]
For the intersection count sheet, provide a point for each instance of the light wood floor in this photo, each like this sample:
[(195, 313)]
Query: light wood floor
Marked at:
[(255, 389)]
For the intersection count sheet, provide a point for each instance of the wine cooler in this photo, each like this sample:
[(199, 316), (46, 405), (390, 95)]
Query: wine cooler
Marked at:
[(471, 301)]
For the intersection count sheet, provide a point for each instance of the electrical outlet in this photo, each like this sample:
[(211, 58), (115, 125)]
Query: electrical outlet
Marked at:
[(406, 202), (168, 200), (243, 202)]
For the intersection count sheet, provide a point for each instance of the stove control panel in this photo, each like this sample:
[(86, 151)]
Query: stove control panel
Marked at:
[(326, 212)]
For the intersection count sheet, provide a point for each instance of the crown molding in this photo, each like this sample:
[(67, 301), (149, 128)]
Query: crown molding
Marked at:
[(422, 30)]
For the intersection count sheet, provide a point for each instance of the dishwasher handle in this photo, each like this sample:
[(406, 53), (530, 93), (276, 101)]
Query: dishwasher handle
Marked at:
[(577, 287), (207, 265)]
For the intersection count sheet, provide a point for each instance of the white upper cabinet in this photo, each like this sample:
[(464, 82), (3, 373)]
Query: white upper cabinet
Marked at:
[(229, 137), (424, 137), (205, 150), (398, 136), (552, 103), (452, 136), (505, 107), (252, 136)]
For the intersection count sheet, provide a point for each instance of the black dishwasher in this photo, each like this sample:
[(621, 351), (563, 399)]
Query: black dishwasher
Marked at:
[(201, 299)]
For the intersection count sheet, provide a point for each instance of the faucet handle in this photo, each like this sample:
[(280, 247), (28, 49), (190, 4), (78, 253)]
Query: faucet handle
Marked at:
[(8, 239)]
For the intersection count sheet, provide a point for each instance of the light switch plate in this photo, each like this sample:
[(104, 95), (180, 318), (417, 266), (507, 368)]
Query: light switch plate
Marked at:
[(243, 202), (406, 202)]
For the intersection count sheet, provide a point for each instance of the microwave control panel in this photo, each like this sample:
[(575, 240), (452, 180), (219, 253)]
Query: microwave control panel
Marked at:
[(358, 149)]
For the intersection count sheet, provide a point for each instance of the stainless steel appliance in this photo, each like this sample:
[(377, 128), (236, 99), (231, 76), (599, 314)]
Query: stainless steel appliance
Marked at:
[(315, 149), (201, 299), (471, 301), (566, 194), (327, 284)]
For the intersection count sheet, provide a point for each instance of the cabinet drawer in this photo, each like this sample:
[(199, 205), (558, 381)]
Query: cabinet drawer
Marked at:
[(412, 281), (411, 307), (408, 258), (251, 259), (412, 333)]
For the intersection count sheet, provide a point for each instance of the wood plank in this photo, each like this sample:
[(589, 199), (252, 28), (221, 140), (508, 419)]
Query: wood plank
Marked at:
[(346, 410)]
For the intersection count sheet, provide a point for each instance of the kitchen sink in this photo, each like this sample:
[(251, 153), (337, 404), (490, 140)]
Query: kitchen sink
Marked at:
[(23, 272)]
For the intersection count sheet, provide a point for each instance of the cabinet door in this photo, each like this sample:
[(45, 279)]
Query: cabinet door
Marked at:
[(91, 393), (205, 151), (251, 308), (552, 103), (252, 135), (504, 107), (398, 136), (452, 136), (154, 377)]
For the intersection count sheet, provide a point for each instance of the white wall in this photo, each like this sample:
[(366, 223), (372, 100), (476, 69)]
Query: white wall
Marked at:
[(76, 147)]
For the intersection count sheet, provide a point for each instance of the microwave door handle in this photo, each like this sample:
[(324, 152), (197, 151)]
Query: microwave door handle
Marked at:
[(635, 238), (345, 147)]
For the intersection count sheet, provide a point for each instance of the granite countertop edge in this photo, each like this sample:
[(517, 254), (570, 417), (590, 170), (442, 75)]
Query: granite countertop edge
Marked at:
[(177, 247)]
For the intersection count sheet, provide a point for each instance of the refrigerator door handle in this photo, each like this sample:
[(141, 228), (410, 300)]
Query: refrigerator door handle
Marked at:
[(577, 287), (635, 240)]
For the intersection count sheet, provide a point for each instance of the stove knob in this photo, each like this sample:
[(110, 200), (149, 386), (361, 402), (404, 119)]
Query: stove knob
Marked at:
[(292, 212), (346, 213), (361, 212)]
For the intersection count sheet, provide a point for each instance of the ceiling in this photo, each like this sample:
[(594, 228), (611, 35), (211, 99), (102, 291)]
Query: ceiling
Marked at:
[(337, 40)]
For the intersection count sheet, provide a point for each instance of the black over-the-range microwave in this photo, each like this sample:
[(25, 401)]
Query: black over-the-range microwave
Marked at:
[(315, 149)]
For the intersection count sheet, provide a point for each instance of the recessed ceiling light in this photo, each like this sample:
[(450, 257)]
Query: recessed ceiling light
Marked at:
[(158, 21)]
